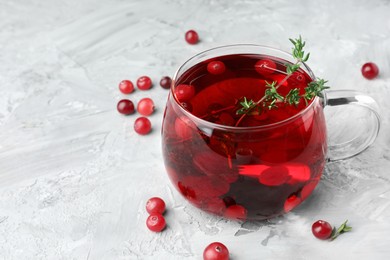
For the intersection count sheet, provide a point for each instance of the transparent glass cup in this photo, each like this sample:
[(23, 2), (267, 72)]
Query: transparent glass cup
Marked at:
[(258, 172)]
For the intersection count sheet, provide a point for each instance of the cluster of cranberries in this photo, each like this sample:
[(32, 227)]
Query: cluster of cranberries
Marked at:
[(145, 106), (155, 207), (156, 222)]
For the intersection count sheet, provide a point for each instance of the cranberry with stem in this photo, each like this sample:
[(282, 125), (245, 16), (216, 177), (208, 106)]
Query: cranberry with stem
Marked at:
[(323, 230), (216, 251), (142, 125), (192, 37), (370, 70), (155, 205), (156, 222), (126, 86), (125, 107), (144, 83), (145, 106)]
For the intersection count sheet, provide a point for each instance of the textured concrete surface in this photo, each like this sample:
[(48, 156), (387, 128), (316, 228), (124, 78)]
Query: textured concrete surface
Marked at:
[(74, 177)]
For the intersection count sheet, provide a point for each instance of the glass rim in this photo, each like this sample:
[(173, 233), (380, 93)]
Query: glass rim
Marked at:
[(239, 128)]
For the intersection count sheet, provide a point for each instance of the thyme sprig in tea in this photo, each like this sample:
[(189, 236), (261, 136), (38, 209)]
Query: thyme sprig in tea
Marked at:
[(271, 96)]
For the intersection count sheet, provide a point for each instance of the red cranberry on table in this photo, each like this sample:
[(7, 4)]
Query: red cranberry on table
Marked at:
[(145, 106), (126, 86), (370, 70), (144, 83), (192, 37), (216, 251), (125, 107), (321, 229), (165, 82), (155, 205), (156, 222), (142, 125)]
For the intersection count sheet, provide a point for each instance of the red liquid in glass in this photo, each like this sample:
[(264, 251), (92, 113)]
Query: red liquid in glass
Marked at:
[(243, 174)]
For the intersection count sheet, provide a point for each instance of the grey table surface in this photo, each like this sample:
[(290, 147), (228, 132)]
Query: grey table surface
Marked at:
[(74, 177)]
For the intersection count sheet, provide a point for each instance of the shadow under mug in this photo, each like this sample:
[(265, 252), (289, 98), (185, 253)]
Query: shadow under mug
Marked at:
[(258, 172)]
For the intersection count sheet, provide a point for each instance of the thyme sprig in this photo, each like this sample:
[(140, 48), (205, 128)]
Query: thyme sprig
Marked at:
[(342, 229), (272, 97)]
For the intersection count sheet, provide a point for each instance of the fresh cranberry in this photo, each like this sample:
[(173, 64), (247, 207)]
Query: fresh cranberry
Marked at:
[(216, 251), (125, 107), (274, 176), (370, 70), (155, 205), (126, 86), (145, 106), (165, 82), (321, 229), (142, 125), (216, 67), (265, 67), (236, 212), (144, 83), (192, 37), (184, 92), (156, 222)]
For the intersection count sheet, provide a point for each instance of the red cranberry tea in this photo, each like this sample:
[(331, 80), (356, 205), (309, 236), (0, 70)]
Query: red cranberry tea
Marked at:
[(243, 166)]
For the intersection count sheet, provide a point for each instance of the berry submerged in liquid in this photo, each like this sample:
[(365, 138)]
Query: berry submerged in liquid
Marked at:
[(216, 67), (242, 175)]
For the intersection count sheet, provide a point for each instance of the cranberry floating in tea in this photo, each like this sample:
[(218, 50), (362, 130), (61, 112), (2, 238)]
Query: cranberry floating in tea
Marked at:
[(244, 133)]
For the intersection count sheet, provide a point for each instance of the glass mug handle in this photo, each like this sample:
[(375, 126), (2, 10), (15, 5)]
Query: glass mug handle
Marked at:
[(355, 127)]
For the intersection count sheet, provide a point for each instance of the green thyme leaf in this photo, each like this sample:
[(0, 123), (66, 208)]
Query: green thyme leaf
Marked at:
[(342, 229), (291, 68), (246, 106), (293, 97), (297, 51)]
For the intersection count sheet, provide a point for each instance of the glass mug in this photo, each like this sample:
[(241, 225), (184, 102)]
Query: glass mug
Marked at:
[(253, 172)]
